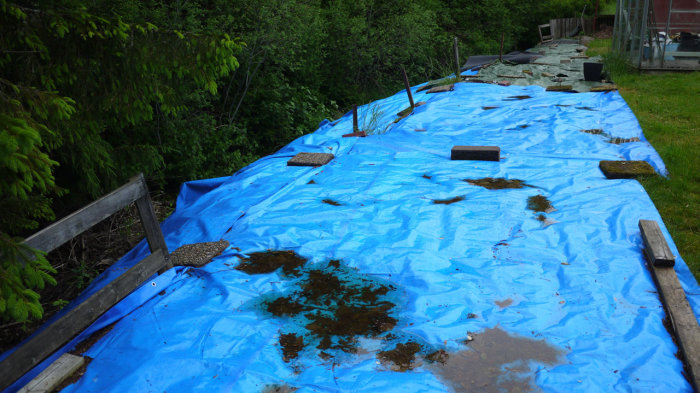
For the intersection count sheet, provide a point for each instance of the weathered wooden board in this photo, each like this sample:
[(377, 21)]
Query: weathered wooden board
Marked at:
[(683, 321), (603, 88), (151, 227), (310, 159), (559, 88), (441, 89), (656, 247), (76, 223), (480, 153), (56, 373), (76, 320)]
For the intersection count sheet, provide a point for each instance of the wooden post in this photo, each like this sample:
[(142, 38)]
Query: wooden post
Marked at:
[(458, 70), (595, 16), (354, 118), (500, 52), (408, 87)]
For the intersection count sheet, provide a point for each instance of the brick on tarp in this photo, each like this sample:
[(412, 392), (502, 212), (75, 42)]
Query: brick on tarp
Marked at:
[(310, 159), (479, 153)]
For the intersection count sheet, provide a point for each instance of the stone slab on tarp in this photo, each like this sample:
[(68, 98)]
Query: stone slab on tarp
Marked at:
[(310, 159)]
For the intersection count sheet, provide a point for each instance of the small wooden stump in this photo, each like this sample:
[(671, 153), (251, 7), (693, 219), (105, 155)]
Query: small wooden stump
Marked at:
[(56, 373), (626, 169), (560, 88), (360, 134), (197, 254), (441, 89), (310, 159), (658, 252), (478, 153)]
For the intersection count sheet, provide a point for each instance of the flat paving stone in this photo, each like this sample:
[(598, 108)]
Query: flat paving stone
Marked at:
[(310, 159)]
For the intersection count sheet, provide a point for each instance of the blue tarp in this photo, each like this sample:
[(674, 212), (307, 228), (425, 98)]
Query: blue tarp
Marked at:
[(573, 278)]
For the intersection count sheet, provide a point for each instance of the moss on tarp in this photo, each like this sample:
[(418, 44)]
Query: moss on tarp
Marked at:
[(626, 169)]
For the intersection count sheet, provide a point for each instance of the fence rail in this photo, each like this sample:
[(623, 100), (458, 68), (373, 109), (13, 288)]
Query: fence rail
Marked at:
[(54, 336)]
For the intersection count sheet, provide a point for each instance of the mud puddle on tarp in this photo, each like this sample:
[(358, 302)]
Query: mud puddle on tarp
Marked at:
[(279, 389), (496, 361)]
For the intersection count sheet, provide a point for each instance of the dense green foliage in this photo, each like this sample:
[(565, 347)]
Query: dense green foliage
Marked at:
[(94, 92)]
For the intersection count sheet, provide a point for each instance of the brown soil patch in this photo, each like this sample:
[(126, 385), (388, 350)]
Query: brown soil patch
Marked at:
[(269, 261), (402, 357), (498, 183)]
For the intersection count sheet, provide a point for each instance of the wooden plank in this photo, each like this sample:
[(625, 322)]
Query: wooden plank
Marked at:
[(151, 227), (683, 322), (441, 89), (76, 223), (76, 320), (559, 88), (656, 247), (56, 373), (480, 153)]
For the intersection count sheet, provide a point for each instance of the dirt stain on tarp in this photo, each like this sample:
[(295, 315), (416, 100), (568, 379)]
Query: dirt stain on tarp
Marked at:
[(448, 201), (402, 357), (593, 131), (618, 141), (329, 308), (291, 345), (498, 183), (539, 203), (279, 389), (504, 303), (516, 98), (495, 362), (331, 202), (269, 261), (488, 108)]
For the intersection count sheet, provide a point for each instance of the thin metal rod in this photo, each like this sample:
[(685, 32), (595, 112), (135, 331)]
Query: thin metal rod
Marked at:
[(458, 71), (668, 25), (500, 52), (643, 33), (408, 87), (354, 118)]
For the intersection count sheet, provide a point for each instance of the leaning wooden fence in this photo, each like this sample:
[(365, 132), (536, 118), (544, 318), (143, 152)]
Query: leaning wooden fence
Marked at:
[(76, 320), (563, 28)]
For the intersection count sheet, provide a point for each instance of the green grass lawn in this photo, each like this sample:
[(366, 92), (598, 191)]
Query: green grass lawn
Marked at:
[(668, 109)]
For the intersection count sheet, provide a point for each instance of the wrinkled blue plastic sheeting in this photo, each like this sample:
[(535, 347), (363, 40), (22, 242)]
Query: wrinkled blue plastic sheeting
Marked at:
[(578, 280)]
